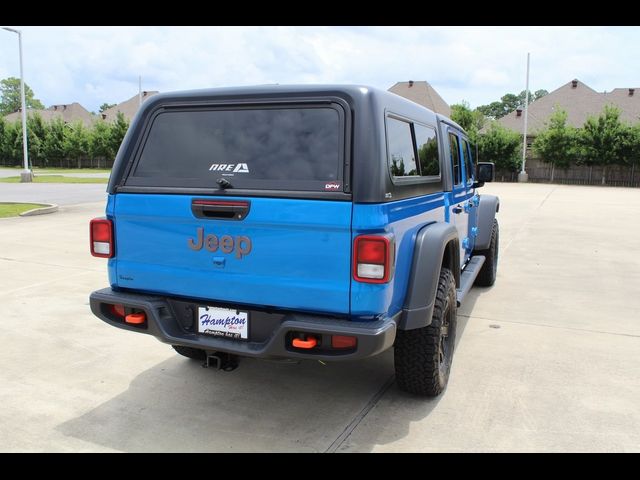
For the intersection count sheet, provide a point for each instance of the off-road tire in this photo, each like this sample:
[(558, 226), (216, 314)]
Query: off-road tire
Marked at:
[(194, 353), (487, 275), (423, 355)]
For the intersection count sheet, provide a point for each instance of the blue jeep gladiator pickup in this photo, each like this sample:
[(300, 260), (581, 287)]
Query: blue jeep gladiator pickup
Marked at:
[(324, 222)]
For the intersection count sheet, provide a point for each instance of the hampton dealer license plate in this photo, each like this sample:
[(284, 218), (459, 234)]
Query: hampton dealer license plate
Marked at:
[(223, 322)]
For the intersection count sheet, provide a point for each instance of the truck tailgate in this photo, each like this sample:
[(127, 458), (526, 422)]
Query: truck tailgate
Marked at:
[(287, 253)]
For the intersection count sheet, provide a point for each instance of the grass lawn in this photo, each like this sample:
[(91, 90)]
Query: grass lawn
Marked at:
[(37, 170), (15, 209), (56, 179)]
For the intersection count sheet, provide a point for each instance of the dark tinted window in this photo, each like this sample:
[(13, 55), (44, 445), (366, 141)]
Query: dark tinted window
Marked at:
[(402, 158), (466, 153), (455, 158), (270, 148), (427, 150)]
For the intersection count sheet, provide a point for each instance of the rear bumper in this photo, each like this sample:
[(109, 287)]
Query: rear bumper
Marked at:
[(172, 321)]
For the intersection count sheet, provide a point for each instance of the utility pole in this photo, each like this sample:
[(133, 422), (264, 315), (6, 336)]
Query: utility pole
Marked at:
[(523, 176), (139, 90)]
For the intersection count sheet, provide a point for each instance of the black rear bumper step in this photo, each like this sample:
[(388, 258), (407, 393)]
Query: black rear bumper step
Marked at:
[(373, 337)]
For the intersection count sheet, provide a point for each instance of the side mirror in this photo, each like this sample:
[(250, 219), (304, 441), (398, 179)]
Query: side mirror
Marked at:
[(485, 172)]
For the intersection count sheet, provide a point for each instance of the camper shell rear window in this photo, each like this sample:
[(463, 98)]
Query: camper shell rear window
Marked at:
[(263, 147)]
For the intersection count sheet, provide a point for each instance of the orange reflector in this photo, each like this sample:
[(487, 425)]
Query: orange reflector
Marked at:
[(135, 318), (310, 342), (343, 341)]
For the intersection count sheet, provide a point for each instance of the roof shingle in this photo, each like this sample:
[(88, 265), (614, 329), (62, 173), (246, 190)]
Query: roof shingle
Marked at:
[(422, 93), (69, 113), (128, 108), (579, 101)]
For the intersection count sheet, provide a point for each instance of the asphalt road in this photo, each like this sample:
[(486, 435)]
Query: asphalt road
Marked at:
[(546, 360), (58, 193), (12, 172)]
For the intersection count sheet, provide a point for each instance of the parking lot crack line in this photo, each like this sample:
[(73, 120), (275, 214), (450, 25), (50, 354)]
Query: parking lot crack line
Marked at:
[(545, 325), (528, 220), (33, 285), (337, 443), (49, 264)]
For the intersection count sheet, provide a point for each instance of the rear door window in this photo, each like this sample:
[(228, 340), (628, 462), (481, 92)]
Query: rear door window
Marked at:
[(468, 162), (271, 148), (455, 158)]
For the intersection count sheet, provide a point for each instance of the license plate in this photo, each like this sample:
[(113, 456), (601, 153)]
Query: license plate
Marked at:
[(223, 322)]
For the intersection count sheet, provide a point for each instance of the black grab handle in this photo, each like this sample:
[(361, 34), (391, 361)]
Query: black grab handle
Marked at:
[(220, 209)]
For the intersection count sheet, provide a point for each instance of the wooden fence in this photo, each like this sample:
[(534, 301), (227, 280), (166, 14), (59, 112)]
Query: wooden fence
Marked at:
[(540, 172)]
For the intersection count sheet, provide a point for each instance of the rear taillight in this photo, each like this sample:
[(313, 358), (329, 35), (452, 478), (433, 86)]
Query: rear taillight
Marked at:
[(101, 238), (373, 258), (117, 310)]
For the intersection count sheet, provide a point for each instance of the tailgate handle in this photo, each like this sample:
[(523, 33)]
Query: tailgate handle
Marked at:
[(220, 209)]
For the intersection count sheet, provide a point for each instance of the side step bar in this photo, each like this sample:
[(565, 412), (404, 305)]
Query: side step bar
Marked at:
[(468, 276)]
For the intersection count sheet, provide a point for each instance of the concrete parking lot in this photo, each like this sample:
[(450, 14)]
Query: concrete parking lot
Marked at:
[(547, 360)]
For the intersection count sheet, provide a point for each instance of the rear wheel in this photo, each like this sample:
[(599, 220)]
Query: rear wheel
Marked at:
[(487, 275), (423, 356), (189, 352)]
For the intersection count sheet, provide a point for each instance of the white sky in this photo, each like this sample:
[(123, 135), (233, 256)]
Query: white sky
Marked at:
[(92, 65)]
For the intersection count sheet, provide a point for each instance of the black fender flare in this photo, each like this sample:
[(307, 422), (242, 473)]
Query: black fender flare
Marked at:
[(487, 208), (433, 243)]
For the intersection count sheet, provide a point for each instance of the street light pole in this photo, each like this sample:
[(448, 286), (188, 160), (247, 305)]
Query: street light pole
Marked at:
[(25, 176), (523, 176)]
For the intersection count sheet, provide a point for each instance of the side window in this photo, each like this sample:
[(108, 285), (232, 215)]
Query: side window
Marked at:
[(402, 158), (472, 162), (468, 167), (427, 150), (455, 158)]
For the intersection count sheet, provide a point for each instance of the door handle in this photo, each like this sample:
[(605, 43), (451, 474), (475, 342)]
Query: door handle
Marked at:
[(457, 209), (220, 209)]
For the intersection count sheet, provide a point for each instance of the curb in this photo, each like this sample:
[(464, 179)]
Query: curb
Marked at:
[(44, 209)]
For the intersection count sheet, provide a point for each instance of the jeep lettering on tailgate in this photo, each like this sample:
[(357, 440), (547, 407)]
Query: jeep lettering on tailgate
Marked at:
[(226, 243)]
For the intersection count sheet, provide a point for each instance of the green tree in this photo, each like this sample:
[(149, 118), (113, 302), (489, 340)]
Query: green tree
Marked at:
[(13, 143), (118, 130), (12, 140), (630, 144), (10, 101), (471, 120), (602, 140), (539, 94), (493, 110), (54, 142), (510, 102), (100, 144), (462, 114), (557, 144), (106, 106), (533, 96), (501, 147), (3, 140), (36, 132), (76, 141)]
